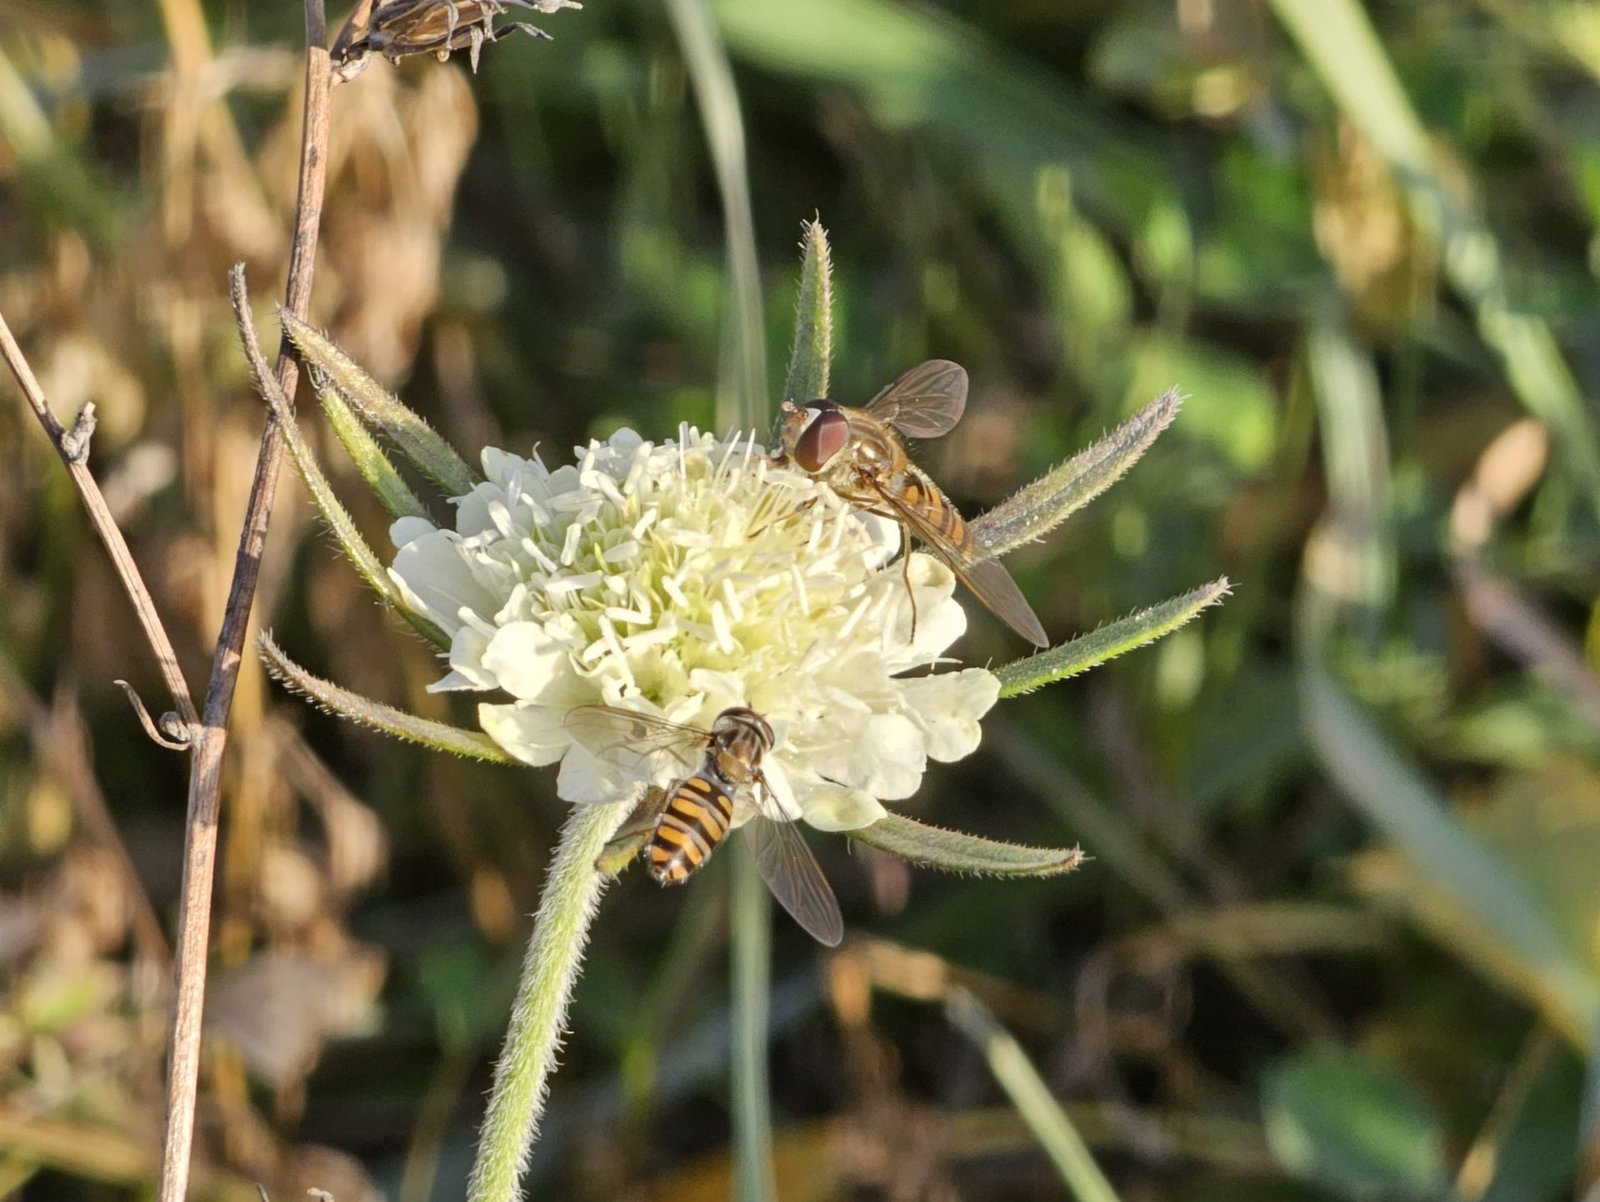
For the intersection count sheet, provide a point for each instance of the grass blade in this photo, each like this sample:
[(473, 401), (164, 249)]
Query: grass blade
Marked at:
[(917, 70), (1398, 799), (741, 404), (742, 383), (1035, 1104)]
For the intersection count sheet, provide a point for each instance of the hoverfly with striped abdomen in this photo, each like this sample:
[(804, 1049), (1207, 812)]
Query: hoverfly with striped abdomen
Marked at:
[(859, 454), (679, 827)]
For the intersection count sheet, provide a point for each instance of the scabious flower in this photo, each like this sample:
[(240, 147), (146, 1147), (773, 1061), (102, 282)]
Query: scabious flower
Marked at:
[(684, 577), (677, 580)]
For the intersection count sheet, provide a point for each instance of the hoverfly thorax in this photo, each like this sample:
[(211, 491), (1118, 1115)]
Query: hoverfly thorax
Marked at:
[(739, 739)]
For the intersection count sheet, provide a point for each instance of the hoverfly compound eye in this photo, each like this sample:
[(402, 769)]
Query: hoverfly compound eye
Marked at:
[(825, 434)]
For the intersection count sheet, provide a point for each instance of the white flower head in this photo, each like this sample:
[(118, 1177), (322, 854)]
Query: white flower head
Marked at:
[(679, 579)]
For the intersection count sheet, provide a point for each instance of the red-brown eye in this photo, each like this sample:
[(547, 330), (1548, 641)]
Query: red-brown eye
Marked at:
[(825, 436)]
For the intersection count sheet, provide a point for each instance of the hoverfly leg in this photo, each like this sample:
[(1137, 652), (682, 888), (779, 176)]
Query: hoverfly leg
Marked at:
[(633, 835), (905, 575), (790, 516)]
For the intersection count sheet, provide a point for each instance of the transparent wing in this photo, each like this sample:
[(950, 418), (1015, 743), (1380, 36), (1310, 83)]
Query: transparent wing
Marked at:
[(639, 744), (986, 577), (633, 834), (795, 877), (924, 402)]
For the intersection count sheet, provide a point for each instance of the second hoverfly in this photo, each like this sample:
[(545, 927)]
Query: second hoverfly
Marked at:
[(859, 454), (678, 827)]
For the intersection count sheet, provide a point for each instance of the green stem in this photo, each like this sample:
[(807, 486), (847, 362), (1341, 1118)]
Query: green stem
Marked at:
[(742, 403), (538, 1019), (1034, 1102), (742, 383), (752, 973)]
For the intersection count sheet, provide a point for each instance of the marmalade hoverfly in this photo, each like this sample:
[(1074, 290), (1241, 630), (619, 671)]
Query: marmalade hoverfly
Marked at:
[(680, 826), (858, 453)]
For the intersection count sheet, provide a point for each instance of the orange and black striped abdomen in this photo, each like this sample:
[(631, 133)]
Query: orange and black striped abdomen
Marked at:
[(921, 494), (692, 823)]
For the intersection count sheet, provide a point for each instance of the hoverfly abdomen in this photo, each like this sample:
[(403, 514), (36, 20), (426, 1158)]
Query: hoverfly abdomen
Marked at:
[(679, 826), (693, 822), (944, 516)]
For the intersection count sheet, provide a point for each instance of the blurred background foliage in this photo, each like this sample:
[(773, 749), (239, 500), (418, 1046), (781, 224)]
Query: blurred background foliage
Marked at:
[(1340, 932)]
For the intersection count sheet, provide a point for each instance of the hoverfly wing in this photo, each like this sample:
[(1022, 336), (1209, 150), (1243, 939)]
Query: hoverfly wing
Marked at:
[(986, 577), (795, 877), (992, 584), (640, 744), (634, 833), (924, 402)]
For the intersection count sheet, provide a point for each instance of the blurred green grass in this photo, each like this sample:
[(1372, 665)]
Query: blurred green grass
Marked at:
[(1363, 260)]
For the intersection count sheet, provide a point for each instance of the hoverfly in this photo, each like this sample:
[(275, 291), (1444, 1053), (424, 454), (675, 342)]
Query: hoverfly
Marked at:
[(859, 454), (680, 826)]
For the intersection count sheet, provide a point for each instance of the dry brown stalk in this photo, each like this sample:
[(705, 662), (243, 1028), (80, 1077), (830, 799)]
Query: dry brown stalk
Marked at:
[(204, 731), (210, 740), (73, 447)]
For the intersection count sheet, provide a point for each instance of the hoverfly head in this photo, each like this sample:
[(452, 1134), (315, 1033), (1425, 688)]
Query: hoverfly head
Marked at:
[(820, 432), (740, 721)]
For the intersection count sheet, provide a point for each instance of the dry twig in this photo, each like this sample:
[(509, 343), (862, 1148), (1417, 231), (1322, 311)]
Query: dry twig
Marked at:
[(73, 447), (205, 773)]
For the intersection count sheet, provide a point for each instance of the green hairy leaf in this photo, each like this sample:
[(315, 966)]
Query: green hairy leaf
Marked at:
[(1040, 507), (343, 526), (1086, 651), (332, 368), (813, 319), (377, 716), (953, 851), (364, 451)]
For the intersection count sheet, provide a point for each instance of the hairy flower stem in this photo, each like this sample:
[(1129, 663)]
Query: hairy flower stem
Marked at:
[(538, 1019), (753, 1179)]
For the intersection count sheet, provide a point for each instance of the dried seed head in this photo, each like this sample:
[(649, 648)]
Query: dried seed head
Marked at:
[(397, 28)]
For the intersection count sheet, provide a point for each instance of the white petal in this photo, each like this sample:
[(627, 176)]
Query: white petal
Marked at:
[(883, 755), (947, 707), (437, 581), (409, 529), (940, 618), (625, 442), (831, 807), (886, 535), (720, 689), (525, 661), (532, 733), (586, 779), (466, 659)]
